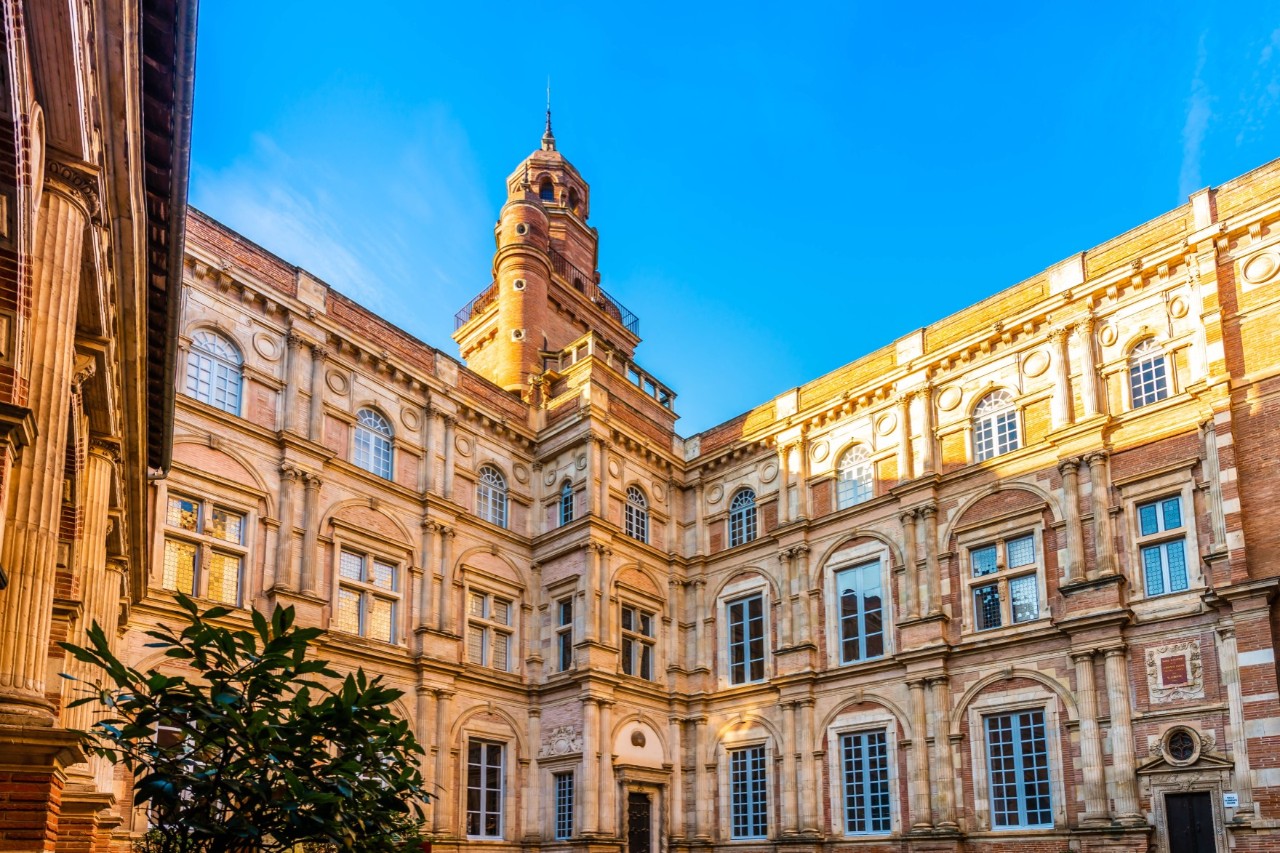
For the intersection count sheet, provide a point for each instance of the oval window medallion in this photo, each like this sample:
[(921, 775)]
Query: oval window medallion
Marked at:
[(659, 493), (1107, 334), (266, 346), (819, 451), (582, 462), (714, 494), (463, 444), (1261, 267), (1036, 363), (409, 417), (887, 424), (549, 478), (769, 472), (1178, 307), (521, 472), (614, 470), (522, 229), (336, 381), (949, 398)]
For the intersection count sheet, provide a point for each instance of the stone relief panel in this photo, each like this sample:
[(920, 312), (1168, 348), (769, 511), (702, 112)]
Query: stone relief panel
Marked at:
[(1175, 672), (562, 740)]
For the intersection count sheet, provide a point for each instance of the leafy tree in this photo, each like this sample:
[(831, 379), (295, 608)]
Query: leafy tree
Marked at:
[(256, 747)]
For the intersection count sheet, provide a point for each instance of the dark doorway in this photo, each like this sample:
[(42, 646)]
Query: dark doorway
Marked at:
[(637, 823), (1189, 819)]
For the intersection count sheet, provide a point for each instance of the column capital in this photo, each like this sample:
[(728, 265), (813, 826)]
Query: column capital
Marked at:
[(319, 352), (449, 420), (917, 683), (801, 549), (907, 517), (1115, 651), (76, 182), (104, 448), (1070, 465), (289, 472), (934, 680), (929, 510), (1080, 655), (293, 340), (1095, 458), (311, 481), (784, 555)]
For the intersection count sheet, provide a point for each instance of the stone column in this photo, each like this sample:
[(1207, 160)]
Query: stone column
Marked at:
[(533, 788), (928, 437), (1229, 661), (802, 481), (310, 533), (445, 599), (590, 593), (1070, 471), (1122, 752), (1062, 407), (427, 477), (114, 588), (591, 492), (1090, 395), (675, 728), (608, 809), (292, 360), (705, 618), (538, 518), (919, 786), (440, 815), (804, 601), (699, 520), (676, 497), (946, 775), (809, 793), (590, 787), (1101, 498), (784, 485), (289, 477), (315, 424), (1213, 474), (932, 572), (910, 577), (790, 787), (905, 462), (425, 732), (787, 607), (704, 758), (606, 623), (450, 427), (1095, 788), (602, 450), (425, 598), (34, 481)]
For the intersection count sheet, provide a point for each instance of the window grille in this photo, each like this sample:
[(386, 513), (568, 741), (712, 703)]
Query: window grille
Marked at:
[(204, 553), (865, 761), (373, 443), (491, 496), (746, 639), (1148, 374), (564, 805), (995, 426), (748, 793), (367, 599), (637, 642), (485, 788), (742, 518), (1018, 768), (861, 602), (214, 368), (1163, 545), (1009, 591), (489, 630)]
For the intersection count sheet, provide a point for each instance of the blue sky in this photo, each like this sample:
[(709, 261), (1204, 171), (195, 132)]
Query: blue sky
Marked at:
[(779, 188)]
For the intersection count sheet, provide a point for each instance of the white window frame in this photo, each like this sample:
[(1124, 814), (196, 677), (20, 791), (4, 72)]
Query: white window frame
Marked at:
[(743, 739), (1034, 697), (1017, 719), (855, 477), (491, 630), (740, 608), (207, 545), (737, 591), (1158, 542), (1002, 411), (635, 512), (372, 445), (1148, 351), (367, 590), (869, 567), (483, 812), (743, 517), (493, 496), (875, 718), (632, 641), (224, 371), (1136, 492), (849, 558), (999, 535)]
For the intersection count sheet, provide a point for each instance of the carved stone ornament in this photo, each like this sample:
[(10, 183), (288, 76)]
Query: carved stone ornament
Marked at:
[(563, 740), (659, 493), (337, 382), (266, 346), (463, 444), (949, 398), (819, 451), (714, 494), (887, 424), (1107, 334), (637, 738), (768, 472), (1261, 268), (521, 472), (582, 461), (614, 469), (1178, 307), (1175, 672), (1036, 364), (549, 478)]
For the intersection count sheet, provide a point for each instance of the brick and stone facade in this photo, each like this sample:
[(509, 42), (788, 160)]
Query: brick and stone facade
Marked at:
[(1102, 582)]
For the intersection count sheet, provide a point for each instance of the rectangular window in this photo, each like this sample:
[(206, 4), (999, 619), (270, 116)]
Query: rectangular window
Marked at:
[(865, 762), (746, 639), (564, 634), (367, 599), (1164, 559), (564, 805), (1010, 590), (748, 793), (205, 556), (489, 631), (861, 607), (637, 642), (1018, 769), (484, 788)]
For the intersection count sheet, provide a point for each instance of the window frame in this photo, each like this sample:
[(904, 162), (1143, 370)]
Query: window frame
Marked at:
[(1159, 542), (995, 702), (999, 535), (748, 639), (890, 754), (379, 444), (635, 514), (1134, 360), (877, 561), (756, 798), (483, 811), (631, 639), (743, 517), (564, 631), (564, 505), (490, 629), (562, 805), (196, 350), (1134, 493), (1020, 760), (866, 719), (977, 420), (207, 545), (849, 558), (493, 496), (846, 462), (367, 590)]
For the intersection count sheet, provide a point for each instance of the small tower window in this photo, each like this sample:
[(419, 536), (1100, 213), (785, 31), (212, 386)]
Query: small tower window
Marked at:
[(575, 203), (546, 191)]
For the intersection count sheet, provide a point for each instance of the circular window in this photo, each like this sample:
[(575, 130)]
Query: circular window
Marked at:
[(518, 284), (522, 229), (1181, 746)]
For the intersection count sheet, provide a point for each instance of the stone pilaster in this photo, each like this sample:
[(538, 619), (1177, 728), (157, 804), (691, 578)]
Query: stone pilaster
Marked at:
[(1062, 405), (590, 786), (932, 571), (441, 822), (608, 808), (919, 784), (310, 532), (447, 615), (1125, 784), (1100, 494), (315, 420), (940, 690), (1070, 471), (790, 749), (450, 449), (675, 731), (289, 476), (784, 484), (704, 769), (1095, 790), (424, 731), (430, 429), (905, 462), (533, 785), (1229, 661), (808, 768), (30, 547), (786, 609), (292, 380), (910, 577), (426, 587), (928, 435), (1090, 395)]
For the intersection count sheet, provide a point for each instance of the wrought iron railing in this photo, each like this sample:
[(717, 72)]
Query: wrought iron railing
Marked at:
[(475, 306)]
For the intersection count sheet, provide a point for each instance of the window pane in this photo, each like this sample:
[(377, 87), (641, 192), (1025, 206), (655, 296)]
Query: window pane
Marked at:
[(986, 607), (224, 578), (1020, 551), (566, 650), (1018, 768), (628, 656), (850, 637), (1148, 521), (351, 566), (1152, 570), (1171, 511), (183, 513), (475, 644), (179, 566), (383, 575), (566, 611), (1024, 598), (1176, 557), (564, 805), (646, 661), (381, 619), (476, 605), (501, 612), (748, 797), (864, 758), (227, 526), (347, 617), (983, 560), (501, 646)]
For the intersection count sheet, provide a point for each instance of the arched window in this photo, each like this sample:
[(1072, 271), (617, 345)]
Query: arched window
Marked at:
[(373, 443), (213, 371), (546, 191), (575, 203), (742, 518), (491, 496), (1148, 373), (995, 425), (566, 502), (854, 477), (636, 512)]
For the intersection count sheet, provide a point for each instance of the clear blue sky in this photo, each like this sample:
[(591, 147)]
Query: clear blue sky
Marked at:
[(779, 187)]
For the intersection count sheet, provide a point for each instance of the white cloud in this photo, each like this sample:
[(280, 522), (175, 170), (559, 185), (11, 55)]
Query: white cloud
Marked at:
[(1199, 112)]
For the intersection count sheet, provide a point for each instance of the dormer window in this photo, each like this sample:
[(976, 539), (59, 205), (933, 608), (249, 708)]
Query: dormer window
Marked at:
[(546, 191)]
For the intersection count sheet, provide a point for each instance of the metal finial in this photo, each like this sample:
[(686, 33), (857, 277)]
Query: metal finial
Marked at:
[(548, 138)]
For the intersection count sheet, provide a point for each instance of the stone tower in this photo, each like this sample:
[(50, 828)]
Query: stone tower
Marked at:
[(546, 291)]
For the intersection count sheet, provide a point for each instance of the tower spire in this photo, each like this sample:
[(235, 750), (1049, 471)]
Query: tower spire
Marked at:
[(548, 138)]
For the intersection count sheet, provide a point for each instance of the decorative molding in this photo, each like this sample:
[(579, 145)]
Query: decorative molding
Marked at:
[(1175, 672)]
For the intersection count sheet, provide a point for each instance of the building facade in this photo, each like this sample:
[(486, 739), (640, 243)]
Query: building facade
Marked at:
[(95, 114), (1005, 583)]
